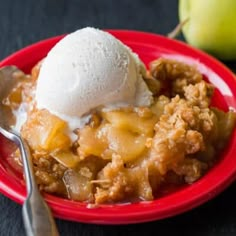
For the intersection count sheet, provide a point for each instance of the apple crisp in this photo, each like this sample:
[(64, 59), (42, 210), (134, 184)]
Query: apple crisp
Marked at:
[(133, 153)]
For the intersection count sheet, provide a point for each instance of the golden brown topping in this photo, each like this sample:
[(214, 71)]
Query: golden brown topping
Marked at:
[(174, 75)]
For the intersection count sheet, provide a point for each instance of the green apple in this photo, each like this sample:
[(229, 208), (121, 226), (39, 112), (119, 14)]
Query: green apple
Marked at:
[(211, 26)]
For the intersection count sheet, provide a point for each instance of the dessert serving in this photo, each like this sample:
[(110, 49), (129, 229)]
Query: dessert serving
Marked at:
[(104, 129)]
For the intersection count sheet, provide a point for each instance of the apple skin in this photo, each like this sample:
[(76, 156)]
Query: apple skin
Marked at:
[(211, 26)]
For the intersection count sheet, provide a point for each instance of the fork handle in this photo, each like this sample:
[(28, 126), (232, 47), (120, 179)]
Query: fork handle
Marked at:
[(37, 217)]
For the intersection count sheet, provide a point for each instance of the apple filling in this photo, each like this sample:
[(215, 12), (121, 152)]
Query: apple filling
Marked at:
[(133, 153)]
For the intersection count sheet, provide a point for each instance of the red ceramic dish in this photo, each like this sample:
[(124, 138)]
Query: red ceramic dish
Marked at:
[(148, 47)]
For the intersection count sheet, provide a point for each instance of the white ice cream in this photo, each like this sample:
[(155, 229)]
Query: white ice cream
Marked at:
[(90, 69)]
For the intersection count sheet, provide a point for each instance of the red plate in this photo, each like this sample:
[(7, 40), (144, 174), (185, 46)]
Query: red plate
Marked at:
[(148, 47)]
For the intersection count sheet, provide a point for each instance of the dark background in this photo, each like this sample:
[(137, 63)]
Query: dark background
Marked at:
[(23, 22)]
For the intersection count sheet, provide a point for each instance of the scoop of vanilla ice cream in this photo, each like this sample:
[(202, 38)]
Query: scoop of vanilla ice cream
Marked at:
[(90, 69)]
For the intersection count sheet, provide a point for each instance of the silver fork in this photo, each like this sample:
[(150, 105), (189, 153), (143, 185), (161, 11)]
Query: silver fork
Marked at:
[(37, 217)]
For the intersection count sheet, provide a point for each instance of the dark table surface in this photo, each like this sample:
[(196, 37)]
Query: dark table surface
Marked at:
[(23, 22)]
